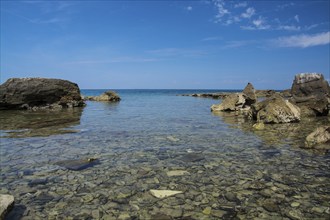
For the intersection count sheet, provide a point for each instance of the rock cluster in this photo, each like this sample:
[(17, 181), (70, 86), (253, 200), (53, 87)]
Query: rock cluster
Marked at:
[(108, 96), (36, 93), (311, 92), (237, 101), (309, 96)]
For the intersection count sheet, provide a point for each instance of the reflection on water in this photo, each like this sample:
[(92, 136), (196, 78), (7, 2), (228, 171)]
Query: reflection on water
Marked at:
[(14, 123)]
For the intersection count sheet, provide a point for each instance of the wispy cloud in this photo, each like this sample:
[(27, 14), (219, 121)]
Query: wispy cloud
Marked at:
[(116, 60), (289, 27), (236, 44), (174, 52), (258, 24), (189, 8), (221, 10), (296, 17), (248, 13), (303, 41), (240, 5), (211, 38)]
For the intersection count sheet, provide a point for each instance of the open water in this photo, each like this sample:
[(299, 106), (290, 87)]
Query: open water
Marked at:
[(156, 140)]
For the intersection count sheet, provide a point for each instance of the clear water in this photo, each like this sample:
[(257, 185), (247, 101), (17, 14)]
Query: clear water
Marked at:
[(232, 171)]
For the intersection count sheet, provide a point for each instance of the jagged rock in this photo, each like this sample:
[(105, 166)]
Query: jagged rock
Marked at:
[(265, 93), (6, 204), (36, 93), (275, 110), (250, 94), (108, 96), (311, 92), (319, 138), (233, 102)]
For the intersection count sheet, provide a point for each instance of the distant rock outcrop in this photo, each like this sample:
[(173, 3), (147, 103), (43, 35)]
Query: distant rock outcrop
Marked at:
[(108, 96), (275, 110), (311, 92), (36, 93)]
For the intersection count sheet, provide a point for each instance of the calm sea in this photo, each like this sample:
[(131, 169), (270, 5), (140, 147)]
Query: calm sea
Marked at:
[(156, 140)]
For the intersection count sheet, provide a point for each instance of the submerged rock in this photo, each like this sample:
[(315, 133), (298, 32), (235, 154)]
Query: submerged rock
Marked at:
[(6, 204), (78, 164), (108, 96), (36, 93), (275, 110), (319, 138), (164, 193), (311, 92)]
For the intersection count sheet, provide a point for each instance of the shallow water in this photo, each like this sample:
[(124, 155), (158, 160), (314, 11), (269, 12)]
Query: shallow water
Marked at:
[(232, 171)]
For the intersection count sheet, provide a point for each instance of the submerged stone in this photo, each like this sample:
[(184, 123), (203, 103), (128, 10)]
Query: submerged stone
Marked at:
[(177, 173), (78, 164), (164, 193)]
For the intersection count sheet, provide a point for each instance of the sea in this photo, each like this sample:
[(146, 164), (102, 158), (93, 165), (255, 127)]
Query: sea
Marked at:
[(159, 155)]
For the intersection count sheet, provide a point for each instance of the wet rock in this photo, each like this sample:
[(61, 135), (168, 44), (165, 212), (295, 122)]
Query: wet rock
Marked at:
[(295, 204), (6, 204), (192, 157), (319, 138), (108, 96), (310, 91), (259, 126), (37, 182), (35, 93), (270, 206), (207, 211), (233, 102), (78, 164), (161, 216), (231, 197), (275, 110), (250, 94), (177, 173), (164, 193)]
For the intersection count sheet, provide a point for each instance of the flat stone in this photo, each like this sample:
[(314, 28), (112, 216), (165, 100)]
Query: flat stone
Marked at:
[(207, 211), (177, 173), (295, 204), (6, 204), (78, 164), (164, 193)]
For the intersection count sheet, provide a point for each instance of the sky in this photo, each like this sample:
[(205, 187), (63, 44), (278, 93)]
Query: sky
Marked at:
[(206, 44)]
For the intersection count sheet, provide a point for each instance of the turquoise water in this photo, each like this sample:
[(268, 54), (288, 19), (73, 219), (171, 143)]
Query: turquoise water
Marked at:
[(230, 171)]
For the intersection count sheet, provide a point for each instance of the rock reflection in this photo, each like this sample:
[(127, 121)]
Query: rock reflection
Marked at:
[(293, 134), (16, 124)]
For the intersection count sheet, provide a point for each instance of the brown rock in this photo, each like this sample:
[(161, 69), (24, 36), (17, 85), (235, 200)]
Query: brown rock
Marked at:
[(250, 94), (319, 138)]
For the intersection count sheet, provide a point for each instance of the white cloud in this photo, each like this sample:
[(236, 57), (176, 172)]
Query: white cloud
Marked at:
[(240, 5), (260, 23), (289, 28), (211, 38), (303, 41), (296, 17), (221, 10), (189, 8), (248, 13)]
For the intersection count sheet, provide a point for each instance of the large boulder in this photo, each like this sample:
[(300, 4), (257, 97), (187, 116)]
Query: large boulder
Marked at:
[(319, 138), (232, 102), (250, 94), (108, 96), (275, 110), (311, 92), (34, 93)]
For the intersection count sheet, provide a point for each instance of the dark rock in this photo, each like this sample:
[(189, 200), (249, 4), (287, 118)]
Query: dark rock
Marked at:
[(265, 93), (34, 93), (192, 157), (311, 92), (270, 206), (319, 138), (78, 164), (275, 110), (160, 216), (108, 96), (37, 182), (250, 94)]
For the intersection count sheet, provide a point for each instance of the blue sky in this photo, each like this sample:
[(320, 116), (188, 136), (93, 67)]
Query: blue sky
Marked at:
[(165, 44)]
